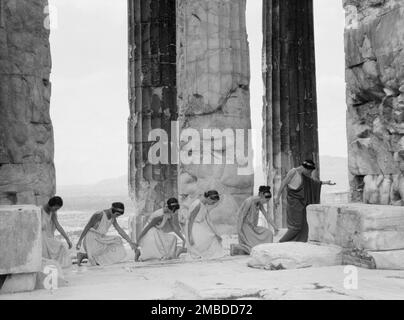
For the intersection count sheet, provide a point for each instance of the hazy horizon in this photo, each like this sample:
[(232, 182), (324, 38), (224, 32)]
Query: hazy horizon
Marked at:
[(89, 81)]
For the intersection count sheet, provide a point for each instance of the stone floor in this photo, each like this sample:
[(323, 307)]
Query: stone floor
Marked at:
[(226, 279)]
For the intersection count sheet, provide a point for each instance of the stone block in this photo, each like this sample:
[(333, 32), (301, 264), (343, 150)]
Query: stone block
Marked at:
[(369, 227), (20, 239), (388, 260), (294, 255), (19, 283)]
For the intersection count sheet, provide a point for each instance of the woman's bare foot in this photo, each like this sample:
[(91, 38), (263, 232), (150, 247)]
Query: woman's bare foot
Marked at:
[(137, 255), (80, 257)]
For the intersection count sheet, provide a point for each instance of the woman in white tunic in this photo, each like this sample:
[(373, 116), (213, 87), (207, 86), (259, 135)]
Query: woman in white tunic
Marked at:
[(157, 241), (100, 248), (203, 240), (53, 249)]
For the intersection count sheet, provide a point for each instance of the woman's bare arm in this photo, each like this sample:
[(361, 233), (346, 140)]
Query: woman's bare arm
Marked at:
[(177, 230), (60, 229), (93, 221), (152, 224), (284, 183), (267, 216), (121, 232)]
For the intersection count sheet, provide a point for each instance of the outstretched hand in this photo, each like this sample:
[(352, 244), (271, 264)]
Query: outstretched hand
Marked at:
[(329, 183)]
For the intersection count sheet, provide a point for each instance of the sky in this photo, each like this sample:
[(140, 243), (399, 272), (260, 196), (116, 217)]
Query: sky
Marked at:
[(89, 104)]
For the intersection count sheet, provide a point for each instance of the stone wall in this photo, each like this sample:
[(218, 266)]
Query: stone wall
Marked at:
[(27, 174), (213, 75), (374, 42)]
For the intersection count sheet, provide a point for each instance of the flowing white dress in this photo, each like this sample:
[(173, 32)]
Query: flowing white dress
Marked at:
[(158, 243), (206, 244), (53, 249), (102, 249)]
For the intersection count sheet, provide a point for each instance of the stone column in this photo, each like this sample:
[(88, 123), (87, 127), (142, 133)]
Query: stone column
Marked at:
[(213, 93), (152, 98), (27, 173), (290, 104), (374, 43)]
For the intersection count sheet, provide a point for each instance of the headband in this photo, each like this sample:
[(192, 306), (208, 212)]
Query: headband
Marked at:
[(308, 165)]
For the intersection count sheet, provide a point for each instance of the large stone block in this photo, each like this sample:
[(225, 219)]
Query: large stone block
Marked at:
[(20, 239), (294, 255), (369, 227), (19, 283), (388, 260)]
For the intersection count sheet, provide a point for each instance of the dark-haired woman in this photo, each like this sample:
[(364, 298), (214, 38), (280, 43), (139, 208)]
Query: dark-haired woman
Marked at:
[(203, 240), (302, 190), (52, 248), (102, 249), (250, 234), (157, 241)]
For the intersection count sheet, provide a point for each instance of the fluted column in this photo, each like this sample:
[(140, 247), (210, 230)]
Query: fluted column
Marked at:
[(213, 75), (152, 97), (27, 173), (290, 110)]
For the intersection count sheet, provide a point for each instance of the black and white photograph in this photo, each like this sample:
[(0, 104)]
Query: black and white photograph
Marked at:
[(201, 150)]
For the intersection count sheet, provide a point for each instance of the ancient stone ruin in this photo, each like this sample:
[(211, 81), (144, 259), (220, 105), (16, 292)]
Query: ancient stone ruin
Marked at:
[(189, 68), (27, 173), (375, 98)]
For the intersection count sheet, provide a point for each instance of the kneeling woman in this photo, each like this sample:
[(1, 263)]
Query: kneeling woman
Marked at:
[(203, 240), (155, 241), (53, 249), (250, 234), (102, 249)]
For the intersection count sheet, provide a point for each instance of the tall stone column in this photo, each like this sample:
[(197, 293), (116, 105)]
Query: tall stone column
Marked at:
[(290, 105), (27, 173), (152, 98), (374, 49), (213, 93)]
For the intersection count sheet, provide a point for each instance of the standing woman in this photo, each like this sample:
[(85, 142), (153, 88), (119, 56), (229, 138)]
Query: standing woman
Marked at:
[(203, 240), (302, 190), (156, 241), (52, 248)]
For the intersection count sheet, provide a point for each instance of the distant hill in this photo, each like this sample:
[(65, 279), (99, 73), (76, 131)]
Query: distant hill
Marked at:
[(96, 196), (335, 169), (113, 186)]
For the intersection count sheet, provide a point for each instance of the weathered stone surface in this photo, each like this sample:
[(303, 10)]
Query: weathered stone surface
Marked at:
[(290, 104), (20, 239), (388, 260), (213, 93), (370, 227), (295, 255), (374, 43), (22, 282), (27, 174), (152, 100)]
